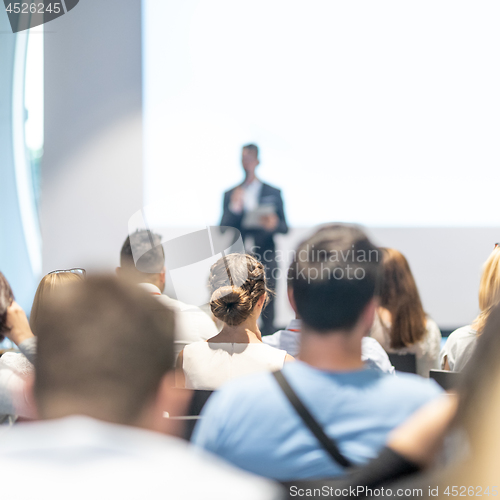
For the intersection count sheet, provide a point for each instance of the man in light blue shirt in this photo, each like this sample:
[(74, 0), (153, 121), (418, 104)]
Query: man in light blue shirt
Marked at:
[(250, 421)]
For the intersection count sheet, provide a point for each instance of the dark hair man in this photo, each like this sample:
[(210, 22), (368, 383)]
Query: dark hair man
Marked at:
[(372, 353), (250, 421), (104, 378), (142, 261), (248, 196)]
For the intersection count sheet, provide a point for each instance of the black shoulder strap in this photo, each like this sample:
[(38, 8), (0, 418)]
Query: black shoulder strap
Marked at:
[(328, 444)]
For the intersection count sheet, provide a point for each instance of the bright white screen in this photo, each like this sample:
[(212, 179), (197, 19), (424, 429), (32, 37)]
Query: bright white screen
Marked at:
[(383, 112)]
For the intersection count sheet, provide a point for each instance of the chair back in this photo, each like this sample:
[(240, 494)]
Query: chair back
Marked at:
[(196, 404), (404, 362), (447, 380)]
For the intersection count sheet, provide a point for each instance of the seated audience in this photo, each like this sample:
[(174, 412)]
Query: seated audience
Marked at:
[(401, 325), (251, 422), (104, 377), (15, 368), (147, 269), (372, 353), (461, 343), (239, 293)]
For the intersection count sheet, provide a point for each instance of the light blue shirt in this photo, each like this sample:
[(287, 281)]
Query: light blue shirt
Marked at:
[(372, 353), (251, 423)]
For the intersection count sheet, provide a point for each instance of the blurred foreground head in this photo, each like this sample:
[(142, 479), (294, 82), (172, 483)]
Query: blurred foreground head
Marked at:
[(104, 350)]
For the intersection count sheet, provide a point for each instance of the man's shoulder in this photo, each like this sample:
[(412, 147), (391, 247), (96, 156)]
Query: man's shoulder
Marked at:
[(410, 386), (273, 340), (138, 455)]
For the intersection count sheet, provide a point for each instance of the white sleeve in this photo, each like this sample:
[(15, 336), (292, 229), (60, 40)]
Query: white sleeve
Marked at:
[(28, 348), (13, 399)]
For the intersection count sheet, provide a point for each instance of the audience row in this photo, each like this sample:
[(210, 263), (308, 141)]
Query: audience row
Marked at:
[(308, 403)]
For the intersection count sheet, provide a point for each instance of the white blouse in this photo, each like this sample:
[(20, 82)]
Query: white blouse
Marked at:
[(459, 348), (208, 365), (426, 351)]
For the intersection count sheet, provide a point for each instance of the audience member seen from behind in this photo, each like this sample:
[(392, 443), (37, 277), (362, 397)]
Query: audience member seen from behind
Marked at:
[(401, 325), (250, 421), (14, 367), (104, 379), (239, 293), (142, 261), (372, 353), (461, 343)]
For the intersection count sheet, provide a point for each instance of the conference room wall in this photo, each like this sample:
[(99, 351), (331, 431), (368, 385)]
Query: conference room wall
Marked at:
[(92, 164)]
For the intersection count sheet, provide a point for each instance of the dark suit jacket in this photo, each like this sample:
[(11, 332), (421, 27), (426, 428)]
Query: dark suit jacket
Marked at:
[(263, 239)]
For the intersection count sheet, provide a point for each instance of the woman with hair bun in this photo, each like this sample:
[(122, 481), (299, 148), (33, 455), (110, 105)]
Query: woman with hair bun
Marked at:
[(239, 293)]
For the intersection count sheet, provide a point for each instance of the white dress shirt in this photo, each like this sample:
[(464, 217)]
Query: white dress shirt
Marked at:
[(251, 194), (83, 458), (192, 324)]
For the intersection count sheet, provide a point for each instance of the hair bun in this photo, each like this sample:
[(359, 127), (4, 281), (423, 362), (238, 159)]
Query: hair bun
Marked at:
[(231, 304), (237, 281)]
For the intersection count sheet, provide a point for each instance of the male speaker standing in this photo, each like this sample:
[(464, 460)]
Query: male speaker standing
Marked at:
[(256, 210)]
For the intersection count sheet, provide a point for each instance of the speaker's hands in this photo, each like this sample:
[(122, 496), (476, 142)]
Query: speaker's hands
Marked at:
[(237, 200)]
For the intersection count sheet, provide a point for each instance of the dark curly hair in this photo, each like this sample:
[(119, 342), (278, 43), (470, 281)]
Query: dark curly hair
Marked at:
[(6, 299)]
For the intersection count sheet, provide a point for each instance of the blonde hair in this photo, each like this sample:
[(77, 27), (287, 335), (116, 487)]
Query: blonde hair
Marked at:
[(489, 289), (237, 282), (45, 289)]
